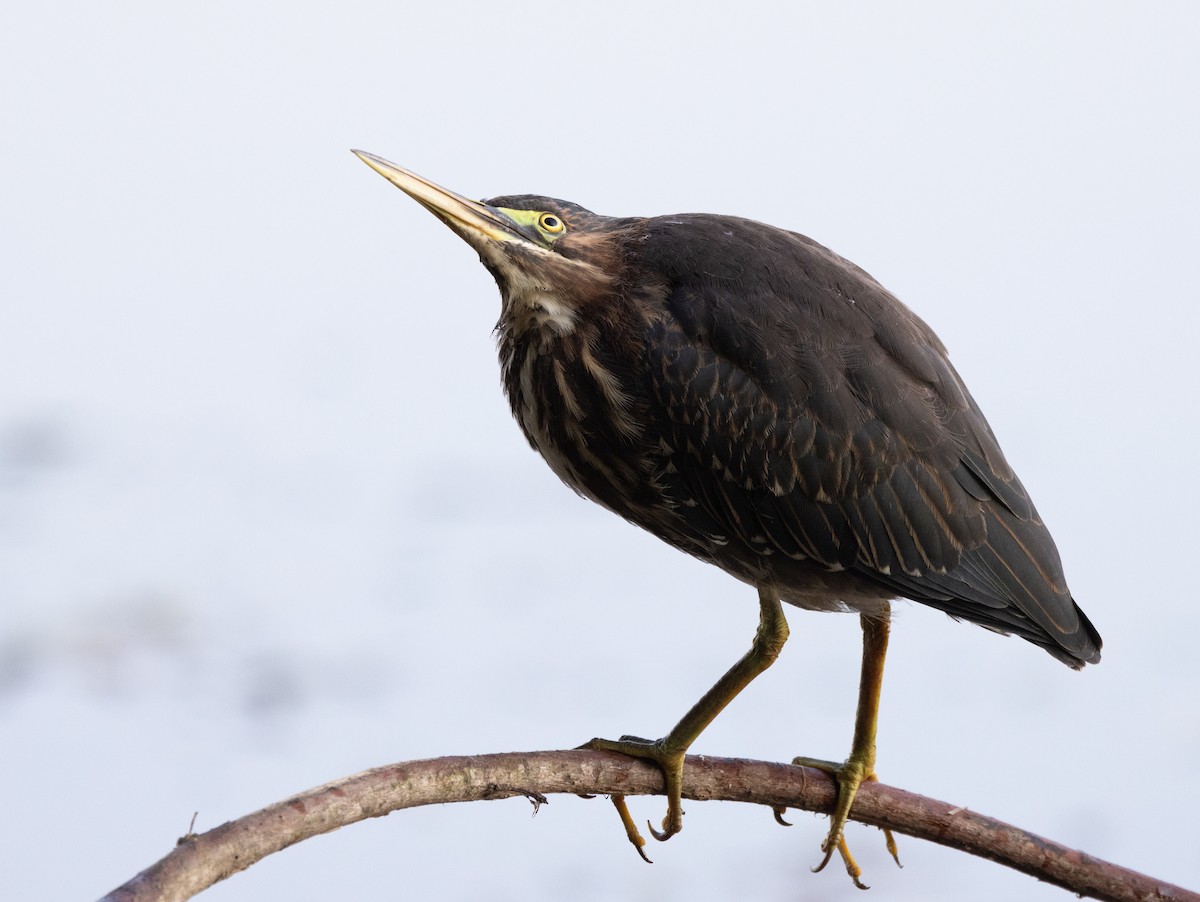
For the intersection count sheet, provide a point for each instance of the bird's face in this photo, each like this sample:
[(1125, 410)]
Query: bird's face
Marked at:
[(550, 257)]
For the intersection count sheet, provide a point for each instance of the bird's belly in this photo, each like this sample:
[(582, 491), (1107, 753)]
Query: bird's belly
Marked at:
[(802, 583), (643, 480), (677, 518), (822, 590)]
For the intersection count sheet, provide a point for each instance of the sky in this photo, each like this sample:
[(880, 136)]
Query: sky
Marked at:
[(265, 519)]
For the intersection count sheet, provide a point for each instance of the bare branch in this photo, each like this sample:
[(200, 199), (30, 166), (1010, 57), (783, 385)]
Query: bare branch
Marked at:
[(199, 861)]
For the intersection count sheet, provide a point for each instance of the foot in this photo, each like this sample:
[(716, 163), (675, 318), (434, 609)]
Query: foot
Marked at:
[(849, 776), (668, 752), (668, 758)]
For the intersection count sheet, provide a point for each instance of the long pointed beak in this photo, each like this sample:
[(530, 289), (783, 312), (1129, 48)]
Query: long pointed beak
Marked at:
[(469, 218)]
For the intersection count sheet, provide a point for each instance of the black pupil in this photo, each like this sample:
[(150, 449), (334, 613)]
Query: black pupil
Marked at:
[(550, 222)]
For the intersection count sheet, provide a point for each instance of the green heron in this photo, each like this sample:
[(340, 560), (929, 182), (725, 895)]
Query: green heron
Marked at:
[(764, 405)]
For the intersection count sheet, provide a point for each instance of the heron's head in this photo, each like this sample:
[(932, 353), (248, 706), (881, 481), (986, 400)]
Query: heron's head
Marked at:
[(547, 255)]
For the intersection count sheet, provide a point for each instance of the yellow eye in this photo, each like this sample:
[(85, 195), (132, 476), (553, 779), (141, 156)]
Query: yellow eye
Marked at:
[(551, 224)]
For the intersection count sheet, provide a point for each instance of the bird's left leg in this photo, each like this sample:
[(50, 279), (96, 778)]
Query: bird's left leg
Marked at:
[(669, 751), (859, 768)]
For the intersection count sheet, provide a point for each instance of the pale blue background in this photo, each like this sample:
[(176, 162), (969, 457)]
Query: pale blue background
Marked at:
[(265, 520)]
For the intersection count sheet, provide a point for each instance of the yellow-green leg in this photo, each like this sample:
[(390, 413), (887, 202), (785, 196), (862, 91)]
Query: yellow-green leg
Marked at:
[(669, 751), (859, 768)]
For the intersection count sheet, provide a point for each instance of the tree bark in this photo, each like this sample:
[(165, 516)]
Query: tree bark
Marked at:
[(200, 860)]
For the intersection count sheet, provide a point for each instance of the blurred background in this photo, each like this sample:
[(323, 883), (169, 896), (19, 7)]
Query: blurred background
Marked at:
[(265, 519)]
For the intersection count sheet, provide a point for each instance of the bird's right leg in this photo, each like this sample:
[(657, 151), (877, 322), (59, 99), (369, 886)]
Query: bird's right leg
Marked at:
[(669, 751)]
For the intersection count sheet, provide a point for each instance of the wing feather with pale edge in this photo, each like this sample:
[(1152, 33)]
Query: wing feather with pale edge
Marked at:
[(815, 416)]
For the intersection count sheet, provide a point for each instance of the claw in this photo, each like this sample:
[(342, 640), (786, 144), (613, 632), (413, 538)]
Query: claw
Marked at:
[(671, 826), (779, 811), (852, 867), (890, 842), (816, 869), (888, 839), (631, 829)]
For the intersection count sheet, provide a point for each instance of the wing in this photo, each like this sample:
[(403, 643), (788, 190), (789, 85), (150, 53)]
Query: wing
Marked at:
[(815, 418)]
